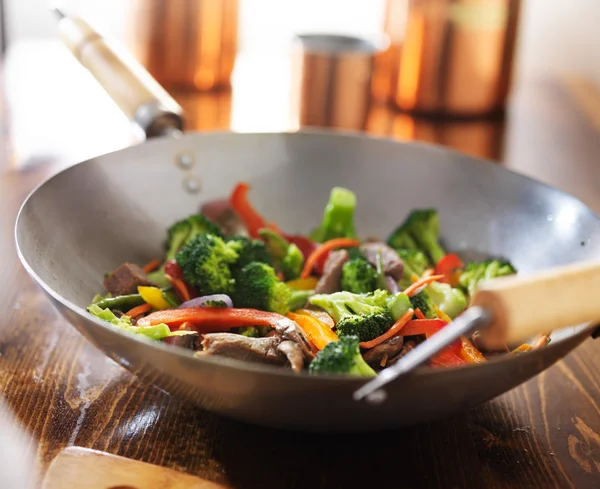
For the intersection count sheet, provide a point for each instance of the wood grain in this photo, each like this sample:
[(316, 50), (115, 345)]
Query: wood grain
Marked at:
[(544, 434)]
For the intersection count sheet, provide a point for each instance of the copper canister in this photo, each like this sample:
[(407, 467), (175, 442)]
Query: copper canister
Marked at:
[(189, 44), (451, 57)]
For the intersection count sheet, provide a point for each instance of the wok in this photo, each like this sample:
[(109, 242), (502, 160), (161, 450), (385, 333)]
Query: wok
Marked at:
[(91, 217)]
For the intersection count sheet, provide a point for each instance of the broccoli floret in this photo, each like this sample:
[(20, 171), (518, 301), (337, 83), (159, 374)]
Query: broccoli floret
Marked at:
[(338, 216), (398, 305), (475, 272), (205, 262), (183, 231), (363, 315), (366, 326), (340, 304), (341, 357), (214, 303), (423, 301), (415, 263), (287, 256), (258, 287), (298, 298), (420, 231), (358, 276), (449, 300), (249, 250)]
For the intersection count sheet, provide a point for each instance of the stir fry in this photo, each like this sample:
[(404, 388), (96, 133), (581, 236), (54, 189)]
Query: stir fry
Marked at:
[(233, 284)]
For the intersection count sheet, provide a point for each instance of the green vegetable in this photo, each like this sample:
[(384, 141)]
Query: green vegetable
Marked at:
[(287, 257), (298, 298), (158, 278), (338, 217), (98, 297), (476, 272), (420, 231), (398, 305), (423, 301), (341, 358), (358, 276), (121, 302), (258, 287), (252, 331), (249, 250), (215, 303), (448, 299), (171, 297), (123, 323), (185, 230), (363, 315), (205, 262), (415, 263)]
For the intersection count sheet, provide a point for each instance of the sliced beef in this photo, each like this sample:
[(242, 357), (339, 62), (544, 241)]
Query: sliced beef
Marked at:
[(189, 340), (126, 279), (220, 212), (391, 262), (332, 273), (260, 350), (388, 348), (409, 345), (293, 353)]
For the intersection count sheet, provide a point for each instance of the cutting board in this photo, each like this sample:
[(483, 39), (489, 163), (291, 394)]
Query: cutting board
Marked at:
[(83, 468)]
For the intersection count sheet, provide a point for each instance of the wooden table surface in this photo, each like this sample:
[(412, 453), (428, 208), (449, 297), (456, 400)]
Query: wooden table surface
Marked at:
[(543, 434)]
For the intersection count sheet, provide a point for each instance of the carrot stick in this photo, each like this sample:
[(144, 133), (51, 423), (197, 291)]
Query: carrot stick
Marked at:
[(419, 314), (427, 273), (151, 266), (313, 258), (411, 289), (138, 310), (393, 331), (470, 353), (180, 288), (540, 341)]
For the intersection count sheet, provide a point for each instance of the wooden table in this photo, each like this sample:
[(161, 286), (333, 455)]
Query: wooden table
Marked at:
[(543, 434)]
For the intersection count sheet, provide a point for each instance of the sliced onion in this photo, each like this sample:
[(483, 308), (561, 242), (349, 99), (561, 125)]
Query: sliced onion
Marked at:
[(200, 301), (392, 286)]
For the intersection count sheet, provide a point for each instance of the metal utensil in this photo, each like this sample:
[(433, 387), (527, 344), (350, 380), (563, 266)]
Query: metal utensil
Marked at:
[(507, 311)]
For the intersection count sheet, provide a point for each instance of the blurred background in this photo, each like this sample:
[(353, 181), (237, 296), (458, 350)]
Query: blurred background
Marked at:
[(442, 71)]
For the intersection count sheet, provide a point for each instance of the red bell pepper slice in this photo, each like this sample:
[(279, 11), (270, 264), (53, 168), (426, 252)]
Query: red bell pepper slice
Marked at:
[(429, 327), (213, 319), (241, 205), (174, 274), (174, 270), (447, 266)]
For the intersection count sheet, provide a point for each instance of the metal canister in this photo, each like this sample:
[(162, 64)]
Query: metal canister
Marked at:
[(450, 57), (189, 44)]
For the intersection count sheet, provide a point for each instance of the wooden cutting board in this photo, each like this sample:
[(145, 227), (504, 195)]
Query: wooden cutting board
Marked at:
[(83, 468)]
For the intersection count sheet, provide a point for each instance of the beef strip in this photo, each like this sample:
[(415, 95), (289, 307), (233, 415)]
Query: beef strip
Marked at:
[(332, 273), (225, 217), (409, 345), (189, 340), (391, 262), (272, 350), (389, 347), (126, 279)]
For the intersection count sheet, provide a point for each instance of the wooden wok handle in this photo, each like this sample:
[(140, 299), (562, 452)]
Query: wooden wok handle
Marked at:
[(133, 89), (524, 306)]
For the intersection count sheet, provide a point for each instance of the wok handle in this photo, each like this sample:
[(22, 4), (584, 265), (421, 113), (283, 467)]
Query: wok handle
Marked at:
[(526, 305), (132, 88)]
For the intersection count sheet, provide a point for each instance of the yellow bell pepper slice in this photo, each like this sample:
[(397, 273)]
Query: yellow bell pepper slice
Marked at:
[(154, 297), (318, 332), (303, 283)]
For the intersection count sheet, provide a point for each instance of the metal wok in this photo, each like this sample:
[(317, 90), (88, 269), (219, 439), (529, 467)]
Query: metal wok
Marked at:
[(93, 216)]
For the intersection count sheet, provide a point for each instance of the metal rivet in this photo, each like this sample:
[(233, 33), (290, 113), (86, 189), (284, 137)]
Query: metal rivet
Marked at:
[(185, 161), (191, 185)]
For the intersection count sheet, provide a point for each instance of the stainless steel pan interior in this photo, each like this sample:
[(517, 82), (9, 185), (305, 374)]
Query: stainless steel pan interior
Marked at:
[(95, 215)]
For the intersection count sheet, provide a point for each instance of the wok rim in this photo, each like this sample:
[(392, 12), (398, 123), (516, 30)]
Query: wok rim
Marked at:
[(237, 365)]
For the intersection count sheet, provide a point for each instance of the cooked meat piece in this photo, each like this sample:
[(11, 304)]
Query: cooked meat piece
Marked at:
[(293, 353), (260, 350), (189, 340), (391, 262), (476, 339), (332, 273), (225, 217), (389, 347), (289, 330), (117, 313), (409, 345), (125, 280)]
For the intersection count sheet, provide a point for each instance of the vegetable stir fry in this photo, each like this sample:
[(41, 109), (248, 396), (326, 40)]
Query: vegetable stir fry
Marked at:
[(233, 284)]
